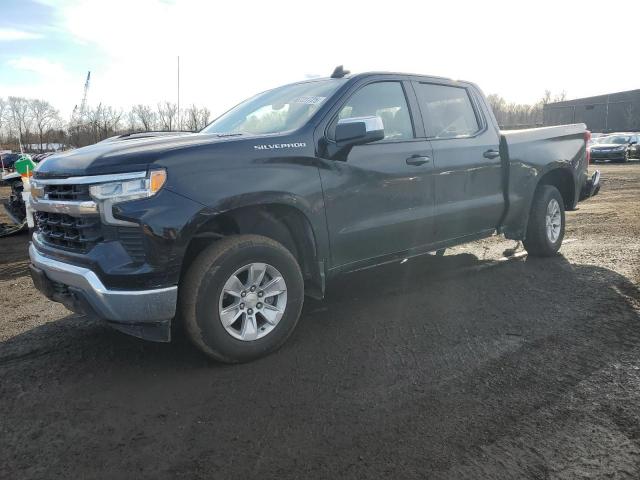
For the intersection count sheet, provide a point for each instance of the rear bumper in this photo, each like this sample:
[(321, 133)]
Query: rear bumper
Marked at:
[(591, 186), (142, 313)]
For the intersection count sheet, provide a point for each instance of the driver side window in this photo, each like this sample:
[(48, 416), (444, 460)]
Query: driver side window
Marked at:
[(385, 100)]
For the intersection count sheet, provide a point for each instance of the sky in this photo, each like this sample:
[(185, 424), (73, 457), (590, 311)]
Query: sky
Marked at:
[(230, 50)]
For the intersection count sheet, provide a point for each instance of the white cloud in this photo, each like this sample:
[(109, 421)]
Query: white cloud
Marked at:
[(41, 66), (12, 34), (48, 81), (231, 50)]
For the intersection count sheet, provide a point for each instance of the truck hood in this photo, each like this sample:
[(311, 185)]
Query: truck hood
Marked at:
[(126, 153)]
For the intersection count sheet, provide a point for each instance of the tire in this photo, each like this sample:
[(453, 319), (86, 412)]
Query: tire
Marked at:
[(625, 159), (540, 241), (202, 301)]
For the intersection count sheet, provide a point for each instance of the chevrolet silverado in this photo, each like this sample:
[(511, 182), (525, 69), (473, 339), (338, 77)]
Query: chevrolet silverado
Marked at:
[(226, 230)]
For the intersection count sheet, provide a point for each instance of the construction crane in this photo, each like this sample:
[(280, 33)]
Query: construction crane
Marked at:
[(78, 116), (83, 105)]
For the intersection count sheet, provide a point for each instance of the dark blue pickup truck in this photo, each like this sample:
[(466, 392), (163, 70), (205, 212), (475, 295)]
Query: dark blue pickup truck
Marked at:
[(227, 229)]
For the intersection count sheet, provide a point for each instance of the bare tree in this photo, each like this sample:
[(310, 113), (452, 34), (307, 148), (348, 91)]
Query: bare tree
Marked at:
[(19, 116), (3, 111), (146, 116), (32, 122), (509, 114), (498, 104), (561, 97), (195, 119), (168, 114), (103, 122), (205, 117), (44, 117), (132, 121), (109, 122), (190, 121)]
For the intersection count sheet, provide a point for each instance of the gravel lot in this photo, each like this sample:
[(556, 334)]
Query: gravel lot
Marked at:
[(462, 367)]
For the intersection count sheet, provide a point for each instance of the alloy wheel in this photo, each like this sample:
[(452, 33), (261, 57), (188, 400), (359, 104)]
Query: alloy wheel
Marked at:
[(252, 301), (553, 220)]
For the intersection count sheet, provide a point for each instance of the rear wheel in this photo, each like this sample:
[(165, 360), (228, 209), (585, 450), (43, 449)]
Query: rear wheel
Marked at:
[(545, 230), (241, 298)]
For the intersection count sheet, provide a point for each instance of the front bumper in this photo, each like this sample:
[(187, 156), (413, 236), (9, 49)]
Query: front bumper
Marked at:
[(142, 313), (603, 156)]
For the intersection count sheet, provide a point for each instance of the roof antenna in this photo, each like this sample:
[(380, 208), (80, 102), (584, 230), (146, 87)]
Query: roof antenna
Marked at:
[(339, 72)]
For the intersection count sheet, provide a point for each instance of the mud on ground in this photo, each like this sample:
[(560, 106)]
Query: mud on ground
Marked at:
[(462, 367)]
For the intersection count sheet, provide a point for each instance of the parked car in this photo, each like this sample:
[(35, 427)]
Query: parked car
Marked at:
[(620, 147), (14, 206), (8, 159), (38, 157), (226, 230)]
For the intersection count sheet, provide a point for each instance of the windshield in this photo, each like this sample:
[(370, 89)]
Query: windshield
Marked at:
[(279, 110), (616, 140)]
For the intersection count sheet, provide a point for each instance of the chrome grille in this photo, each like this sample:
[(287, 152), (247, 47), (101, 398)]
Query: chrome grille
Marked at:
[(68, 218), (78, 192)]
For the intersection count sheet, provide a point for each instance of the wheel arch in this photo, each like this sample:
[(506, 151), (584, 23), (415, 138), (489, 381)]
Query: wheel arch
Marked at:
[(556, 174), (280, 221), (562, 178)]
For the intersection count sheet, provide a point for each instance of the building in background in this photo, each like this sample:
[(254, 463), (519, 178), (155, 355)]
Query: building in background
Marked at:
[(615, 112)]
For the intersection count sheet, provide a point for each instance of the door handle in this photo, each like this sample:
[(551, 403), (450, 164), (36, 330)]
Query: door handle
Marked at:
[(418, 160), (491, 154)]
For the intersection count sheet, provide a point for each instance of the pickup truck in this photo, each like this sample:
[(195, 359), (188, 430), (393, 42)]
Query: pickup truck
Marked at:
[(224, 232)]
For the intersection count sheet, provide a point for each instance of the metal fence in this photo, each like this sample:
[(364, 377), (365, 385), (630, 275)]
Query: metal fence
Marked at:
[(615, 112)]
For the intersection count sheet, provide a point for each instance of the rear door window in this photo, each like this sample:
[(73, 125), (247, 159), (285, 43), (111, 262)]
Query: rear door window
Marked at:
[(447, 111)]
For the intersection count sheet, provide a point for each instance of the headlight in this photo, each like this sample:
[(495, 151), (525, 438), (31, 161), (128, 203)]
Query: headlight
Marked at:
[(130, 189), (619, 149), (108, 194)]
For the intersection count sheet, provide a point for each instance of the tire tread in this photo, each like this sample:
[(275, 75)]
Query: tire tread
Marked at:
[(207, 260), (536, 242)]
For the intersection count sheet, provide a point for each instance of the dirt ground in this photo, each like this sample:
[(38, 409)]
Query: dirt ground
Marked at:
[(467, 366)]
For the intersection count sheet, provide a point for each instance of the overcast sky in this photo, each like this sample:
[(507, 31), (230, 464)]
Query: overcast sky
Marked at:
[(230, 50)]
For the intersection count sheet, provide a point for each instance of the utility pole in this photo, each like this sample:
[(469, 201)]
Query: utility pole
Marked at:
[(179, 119), (606, 115)]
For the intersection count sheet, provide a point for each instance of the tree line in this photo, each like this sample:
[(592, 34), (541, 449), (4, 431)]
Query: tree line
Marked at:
[(36, 124), (513, 115)]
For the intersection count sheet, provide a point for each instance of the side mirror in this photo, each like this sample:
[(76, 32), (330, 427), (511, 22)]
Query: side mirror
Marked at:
[(359, 131), (633, 142)]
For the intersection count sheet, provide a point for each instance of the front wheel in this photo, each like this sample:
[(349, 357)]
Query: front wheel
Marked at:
[(626, 157), (241, 298), (545, 230)]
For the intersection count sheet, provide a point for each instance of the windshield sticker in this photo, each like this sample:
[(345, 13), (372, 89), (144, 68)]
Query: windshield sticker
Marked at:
[(275, 146), (309, 100)]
